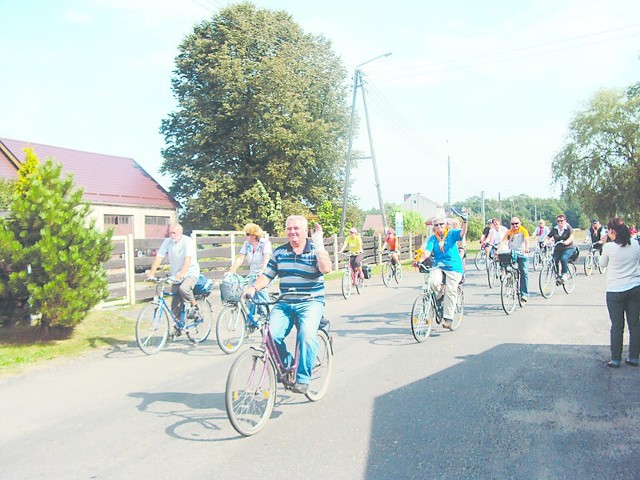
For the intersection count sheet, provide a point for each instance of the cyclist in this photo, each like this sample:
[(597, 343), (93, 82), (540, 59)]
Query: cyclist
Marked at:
[(443, 245), (541, 234), (517, 239), (485, 234), (356, 251), (562, 235), (496, 235), (257, 250), (301, 264), (183, 265), (393, 243), (597, 235)]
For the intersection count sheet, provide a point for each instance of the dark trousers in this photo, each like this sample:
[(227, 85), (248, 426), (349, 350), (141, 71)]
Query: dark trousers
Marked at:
[(621, 305)]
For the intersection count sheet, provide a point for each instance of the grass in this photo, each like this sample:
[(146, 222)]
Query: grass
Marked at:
[(20, 350)]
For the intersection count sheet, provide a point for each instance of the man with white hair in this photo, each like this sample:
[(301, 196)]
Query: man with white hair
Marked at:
[(443, 246)]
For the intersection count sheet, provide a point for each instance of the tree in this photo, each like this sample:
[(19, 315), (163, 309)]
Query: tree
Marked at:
[(598, 166), (258, 100), (55, 255)]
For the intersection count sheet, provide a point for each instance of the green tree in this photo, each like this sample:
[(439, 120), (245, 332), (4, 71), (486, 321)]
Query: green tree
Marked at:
[(55, 254), (598, 166), (7, 188), (329, 217), (258, 99), (412, 222)]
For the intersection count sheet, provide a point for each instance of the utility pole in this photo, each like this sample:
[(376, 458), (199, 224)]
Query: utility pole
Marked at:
[(484, 219), (358, 82), (449, 181), (500, 208)]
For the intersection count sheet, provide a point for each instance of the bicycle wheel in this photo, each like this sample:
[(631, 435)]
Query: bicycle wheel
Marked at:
[(152, 328), (459, 312), (346, 284), (387, 273), (537, 261), (508, 293), (198, 330), (398, 273), (230, 328), (359, 285), (422, 318), (492, 273), (480, 260), (251, 392), (596, 260), (588, 264), (569, 284), (321, 373), (547, 280)]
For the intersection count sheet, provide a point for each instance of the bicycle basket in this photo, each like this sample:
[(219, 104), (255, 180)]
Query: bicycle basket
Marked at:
[(231, 288), (366, 271), (203, 286), (575, 254), (505, 258)]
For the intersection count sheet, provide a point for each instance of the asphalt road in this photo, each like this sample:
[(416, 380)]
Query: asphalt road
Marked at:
[(523, 396)]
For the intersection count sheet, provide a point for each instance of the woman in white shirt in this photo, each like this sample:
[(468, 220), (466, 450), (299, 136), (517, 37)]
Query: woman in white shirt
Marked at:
[(622, 259)]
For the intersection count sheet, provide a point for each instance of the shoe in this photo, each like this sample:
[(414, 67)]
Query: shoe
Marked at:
[(564, 277), (612, 364), (631, 363), (300, 388), (524, 300), (447, 323)]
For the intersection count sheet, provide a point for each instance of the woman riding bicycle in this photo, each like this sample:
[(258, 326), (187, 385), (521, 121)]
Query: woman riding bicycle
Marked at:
[(393, 243), (356, 251)]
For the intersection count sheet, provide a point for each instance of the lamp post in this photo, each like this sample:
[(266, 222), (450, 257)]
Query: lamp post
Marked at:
[(358, 82)]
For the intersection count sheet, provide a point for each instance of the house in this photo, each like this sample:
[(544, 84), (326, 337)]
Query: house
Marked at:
[(122, 194), (373, 222), (427, 208)]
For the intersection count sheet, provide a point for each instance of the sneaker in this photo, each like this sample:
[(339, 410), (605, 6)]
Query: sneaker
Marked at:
[(447, 323), (564, 277), (300, 388), (631, 363), (524, 300)]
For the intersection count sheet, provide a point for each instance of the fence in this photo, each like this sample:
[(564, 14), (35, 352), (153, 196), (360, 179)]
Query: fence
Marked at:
[(216, 253)]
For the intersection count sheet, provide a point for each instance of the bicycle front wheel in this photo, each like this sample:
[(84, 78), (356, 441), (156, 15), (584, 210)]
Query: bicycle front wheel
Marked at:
[(537, 261), (547, 280), (588, 264), (230, 328), (398, 272), (199, 329), (251, 392), (152, 328), (346, 285), (359, 284), (321, 373), (596, 260), (508, 293), (492, 273), (387, 273), (422, 318), (569, 284), (480, 259), (459, 312)]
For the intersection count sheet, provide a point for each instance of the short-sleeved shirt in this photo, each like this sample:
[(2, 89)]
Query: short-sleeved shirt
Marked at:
[(541, 232), (516, 239), (496, 236), (354, 244), (448, 259), (255, 258), (561, 236), (177, 252), (299, 272), (392, 242)]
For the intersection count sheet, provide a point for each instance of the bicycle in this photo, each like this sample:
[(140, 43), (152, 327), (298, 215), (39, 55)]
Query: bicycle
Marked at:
[(351, 279), (541, 256), (550, 278), (233, 324), (250, 393), (510, 292), (391, 270), (592, 261), (493, 269), (155, 320), (427, 309), (480, 260)]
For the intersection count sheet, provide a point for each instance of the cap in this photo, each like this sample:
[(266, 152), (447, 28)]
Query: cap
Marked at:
[(389, 231), (353, 230), (595, 220)]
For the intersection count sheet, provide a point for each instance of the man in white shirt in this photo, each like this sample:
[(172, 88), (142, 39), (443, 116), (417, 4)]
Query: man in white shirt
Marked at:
[(183, 266)]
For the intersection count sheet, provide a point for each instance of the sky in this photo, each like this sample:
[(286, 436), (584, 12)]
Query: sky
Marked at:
[(488, 87)]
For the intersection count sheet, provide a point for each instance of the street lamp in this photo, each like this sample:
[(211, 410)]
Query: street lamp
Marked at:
[(357, 81)]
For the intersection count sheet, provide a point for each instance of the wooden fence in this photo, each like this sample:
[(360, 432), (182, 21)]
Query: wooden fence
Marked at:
[(216, 253)]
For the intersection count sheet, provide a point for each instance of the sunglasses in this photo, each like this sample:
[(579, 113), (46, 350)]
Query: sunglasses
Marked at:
[(438, 224), (560, 220), (516, 223)]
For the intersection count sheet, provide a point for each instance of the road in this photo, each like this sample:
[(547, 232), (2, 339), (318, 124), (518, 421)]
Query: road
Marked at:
[(519, 396)]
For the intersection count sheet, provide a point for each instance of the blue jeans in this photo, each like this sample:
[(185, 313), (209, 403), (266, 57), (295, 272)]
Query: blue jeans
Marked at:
[(563, 257), (523, 266), (307, 315), (621, 305), (261, 296)]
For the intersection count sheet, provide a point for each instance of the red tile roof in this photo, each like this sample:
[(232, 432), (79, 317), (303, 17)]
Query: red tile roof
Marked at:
[(104, 178)]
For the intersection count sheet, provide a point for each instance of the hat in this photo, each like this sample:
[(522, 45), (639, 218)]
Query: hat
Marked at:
[(595, 220), (353, 230), (389, 231)]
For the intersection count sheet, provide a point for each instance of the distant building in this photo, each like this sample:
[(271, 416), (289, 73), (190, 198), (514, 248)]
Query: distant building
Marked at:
[(428, 209), (373, 222), (123, 196)]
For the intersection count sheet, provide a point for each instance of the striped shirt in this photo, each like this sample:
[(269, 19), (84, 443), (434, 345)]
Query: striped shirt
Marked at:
[(299, 272)]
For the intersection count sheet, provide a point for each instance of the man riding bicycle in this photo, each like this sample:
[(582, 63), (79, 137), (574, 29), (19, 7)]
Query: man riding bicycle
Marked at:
[(517, 239), (562, 235), (393, 243), (443, 246), (301, 264), (597, 235)]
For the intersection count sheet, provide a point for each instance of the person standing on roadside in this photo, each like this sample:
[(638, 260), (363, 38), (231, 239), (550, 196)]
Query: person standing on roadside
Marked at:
[(622, 257)]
